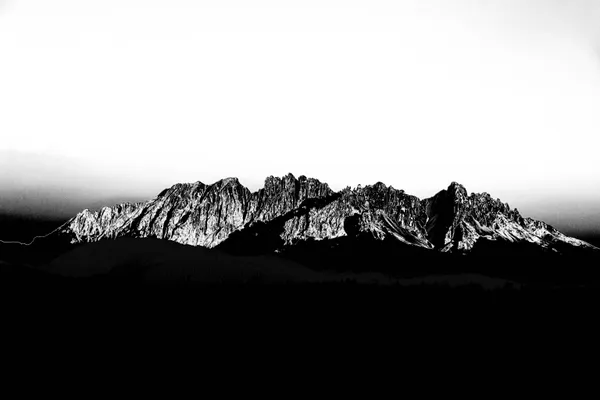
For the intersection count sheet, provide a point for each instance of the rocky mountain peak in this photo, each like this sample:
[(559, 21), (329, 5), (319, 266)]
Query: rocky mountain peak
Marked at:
[(302, 187), (457, 191), (232, 181)]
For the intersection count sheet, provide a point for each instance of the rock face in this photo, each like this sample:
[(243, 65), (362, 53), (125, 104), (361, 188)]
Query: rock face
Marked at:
[(196, 214), (300, 209), (457, 221), (376, 210)]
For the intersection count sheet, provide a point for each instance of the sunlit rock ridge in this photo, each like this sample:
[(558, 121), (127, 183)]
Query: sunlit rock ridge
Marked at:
[(306, 209)]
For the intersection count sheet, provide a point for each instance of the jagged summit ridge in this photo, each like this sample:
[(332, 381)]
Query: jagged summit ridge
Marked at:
[(306, 209), (196, 213)]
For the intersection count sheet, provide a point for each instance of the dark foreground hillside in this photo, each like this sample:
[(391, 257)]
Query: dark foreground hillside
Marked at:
[(288, 316), (152, 278)]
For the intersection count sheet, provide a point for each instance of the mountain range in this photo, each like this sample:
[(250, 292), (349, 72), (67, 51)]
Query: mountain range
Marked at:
[(299, 228), (305, 209)]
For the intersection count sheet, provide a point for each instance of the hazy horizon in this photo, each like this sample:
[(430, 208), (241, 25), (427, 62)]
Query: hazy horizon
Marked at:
[(52, 197), (116, 100)]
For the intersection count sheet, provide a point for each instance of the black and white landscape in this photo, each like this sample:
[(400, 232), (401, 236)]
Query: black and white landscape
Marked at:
[(428, 149), (300, 231)]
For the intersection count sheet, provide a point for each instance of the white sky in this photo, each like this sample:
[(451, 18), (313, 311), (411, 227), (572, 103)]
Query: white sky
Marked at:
[(501, 96)]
